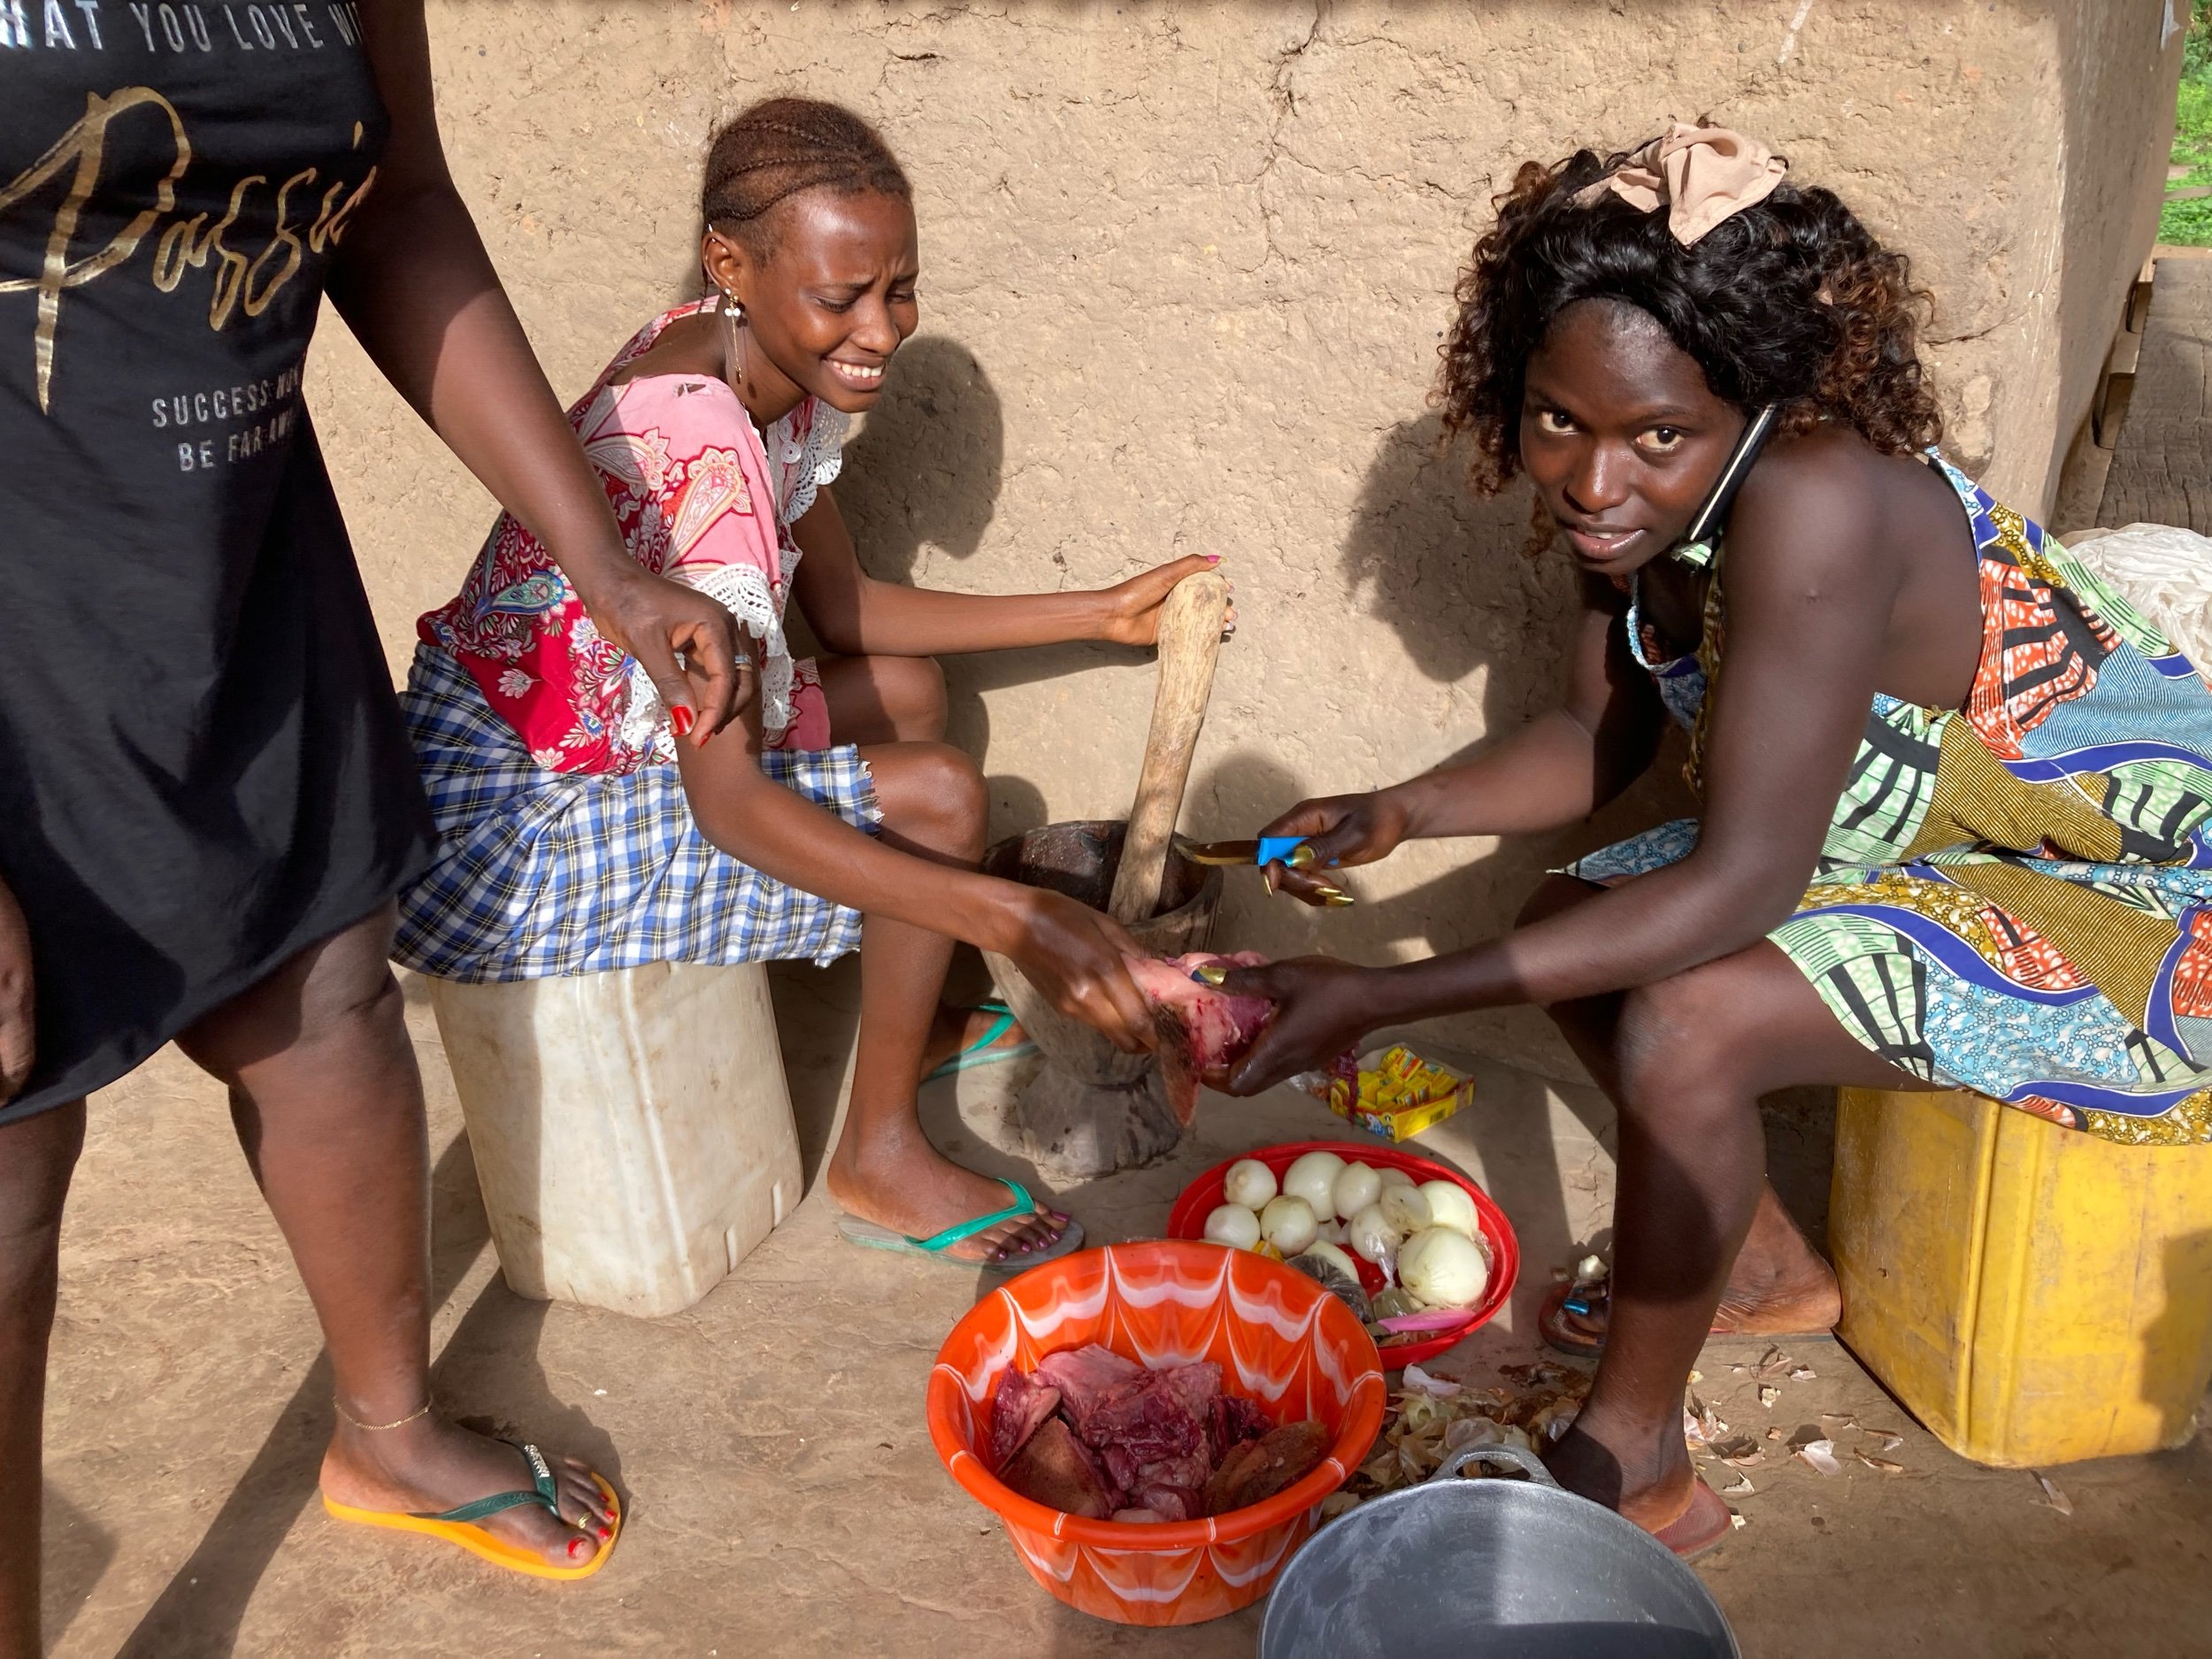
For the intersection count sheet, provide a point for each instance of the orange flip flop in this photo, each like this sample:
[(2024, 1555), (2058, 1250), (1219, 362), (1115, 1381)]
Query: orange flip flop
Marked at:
[(1702, 1526), (456, 1525)]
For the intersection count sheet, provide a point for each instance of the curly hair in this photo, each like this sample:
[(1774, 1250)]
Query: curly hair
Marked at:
[(777, 149), (1791, 302)]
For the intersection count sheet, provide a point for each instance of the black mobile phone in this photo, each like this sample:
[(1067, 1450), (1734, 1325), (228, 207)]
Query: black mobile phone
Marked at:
[(1711, 516)]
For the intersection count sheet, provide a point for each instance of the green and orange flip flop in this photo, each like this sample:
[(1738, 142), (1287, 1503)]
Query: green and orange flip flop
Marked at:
[(457, 1526), (980, 1052), (938, 1246)]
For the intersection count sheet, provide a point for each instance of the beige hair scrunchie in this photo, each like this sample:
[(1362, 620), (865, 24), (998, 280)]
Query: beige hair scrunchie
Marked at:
[(1701, 175)]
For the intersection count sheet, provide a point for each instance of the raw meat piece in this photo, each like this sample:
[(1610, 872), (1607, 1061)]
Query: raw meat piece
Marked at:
[(1021, 1404), (1195, 1386), (1190, 1469), (1257, 1469), (1172, 1502), (1081, 1374), (1202, 1031), (1094, 1434), (1143, 1417), (1232, 1421), (1054, 1470), (1120, 1466)]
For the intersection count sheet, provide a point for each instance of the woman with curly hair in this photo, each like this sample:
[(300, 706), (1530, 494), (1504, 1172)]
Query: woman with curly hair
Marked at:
[(1955, 788)]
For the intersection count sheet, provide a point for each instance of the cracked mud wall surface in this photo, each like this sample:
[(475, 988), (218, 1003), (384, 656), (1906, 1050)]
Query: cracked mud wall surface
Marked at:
[(1185, 271)]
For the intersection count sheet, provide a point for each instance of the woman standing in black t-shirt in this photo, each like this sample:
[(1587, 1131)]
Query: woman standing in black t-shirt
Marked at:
[(206, 798)]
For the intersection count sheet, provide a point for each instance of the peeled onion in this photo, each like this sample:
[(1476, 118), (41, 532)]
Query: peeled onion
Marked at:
[(1313, 1177), (1329, 1232), (1449, 1206), (1393, 1176), (1355, 1189), (1232, 1224), (1406, 1208), (1287, 1223), (1441, 1268), (1251, 1183), (1370, 1236)]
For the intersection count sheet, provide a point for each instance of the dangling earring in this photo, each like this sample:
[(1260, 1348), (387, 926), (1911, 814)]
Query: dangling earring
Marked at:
[(732, 348)]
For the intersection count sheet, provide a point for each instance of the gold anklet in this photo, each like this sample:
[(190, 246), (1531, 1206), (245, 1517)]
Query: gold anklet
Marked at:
[(379, 1428)]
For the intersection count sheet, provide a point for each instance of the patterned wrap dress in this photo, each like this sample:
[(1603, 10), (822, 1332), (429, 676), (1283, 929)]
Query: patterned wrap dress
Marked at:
[(2014, 897), (566, 843)]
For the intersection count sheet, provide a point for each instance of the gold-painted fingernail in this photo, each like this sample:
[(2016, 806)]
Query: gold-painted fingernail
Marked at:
[(1210, 974), (1336, 896), (1302, 855)]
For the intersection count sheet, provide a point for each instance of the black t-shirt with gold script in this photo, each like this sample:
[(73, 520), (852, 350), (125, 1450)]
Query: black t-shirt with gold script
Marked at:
[(201, 767)]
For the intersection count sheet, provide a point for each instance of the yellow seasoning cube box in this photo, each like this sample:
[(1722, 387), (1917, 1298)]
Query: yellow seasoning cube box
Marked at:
[(1397, 1093)]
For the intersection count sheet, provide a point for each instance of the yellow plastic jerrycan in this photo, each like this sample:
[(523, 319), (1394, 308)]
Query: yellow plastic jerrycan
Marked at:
[(2033, 1294)]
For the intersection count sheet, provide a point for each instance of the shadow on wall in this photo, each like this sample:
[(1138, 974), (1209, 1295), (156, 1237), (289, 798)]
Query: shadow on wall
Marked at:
[(921, 480), (924, 472), (1449, 570)]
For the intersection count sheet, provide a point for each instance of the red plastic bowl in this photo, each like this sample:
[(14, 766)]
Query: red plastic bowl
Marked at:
[(1187, 1220), (1280, 1339)]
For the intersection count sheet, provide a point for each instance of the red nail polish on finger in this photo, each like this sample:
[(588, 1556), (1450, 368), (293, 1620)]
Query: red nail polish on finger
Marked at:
[(681, 718), (1213, 558)]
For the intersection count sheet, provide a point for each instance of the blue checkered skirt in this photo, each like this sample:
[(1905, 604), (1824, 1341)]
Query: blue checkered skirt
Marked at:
[(542, 873)]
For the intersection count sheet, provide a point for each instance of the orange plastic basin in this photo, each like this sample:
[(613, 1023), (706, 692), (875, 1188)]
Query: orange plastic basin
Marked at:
[(1280, 1340)]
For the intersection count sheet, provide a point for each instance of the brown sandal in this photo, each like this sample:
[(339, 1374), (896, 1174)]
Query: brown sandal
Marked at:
[(1555, 1322)]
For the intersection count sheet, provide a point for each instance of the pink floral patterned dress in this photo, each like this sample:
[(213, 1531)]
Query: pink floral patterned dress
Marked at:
[(701, 498), (566, 843)]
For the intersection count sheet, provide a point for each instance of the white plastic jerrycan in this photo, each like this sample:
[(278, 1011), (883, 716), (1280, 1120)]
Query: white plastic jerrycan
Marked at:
[(631, 1130)]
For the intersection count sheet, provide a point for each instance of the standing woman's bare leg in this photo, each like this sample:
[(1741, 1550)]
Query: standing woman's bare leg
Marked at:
[(329, 1107), (37, 1154), (884, 1169)]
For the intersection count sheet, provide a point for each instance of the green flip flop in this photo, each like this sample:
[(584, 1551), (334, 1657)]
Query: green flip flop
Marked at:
[(980, 1052), (937, 1245)]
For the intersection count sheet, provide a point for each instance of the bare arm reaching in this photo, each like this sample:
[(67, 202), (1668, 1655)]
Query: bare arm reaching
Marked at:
[(416, 286)]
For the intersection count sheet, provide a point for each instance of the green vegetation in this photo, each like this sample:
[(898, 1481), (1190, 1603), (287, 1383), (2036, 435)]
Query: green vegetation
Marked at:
[(2189, 222)]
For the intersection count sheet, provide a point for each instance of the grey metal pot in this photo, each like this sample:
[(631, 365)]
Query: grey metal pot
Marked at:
[(1455, 1569)]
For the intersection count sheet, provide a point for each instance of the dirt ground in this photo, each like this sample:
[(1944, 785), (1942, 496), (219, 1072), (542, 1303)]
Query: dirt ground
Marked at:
[(784, 1496)]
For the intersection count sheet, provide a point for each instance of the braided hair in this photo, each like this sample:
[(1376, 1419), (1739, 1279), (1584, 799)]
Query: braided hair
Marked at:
[(1792, 300), (777, 149)]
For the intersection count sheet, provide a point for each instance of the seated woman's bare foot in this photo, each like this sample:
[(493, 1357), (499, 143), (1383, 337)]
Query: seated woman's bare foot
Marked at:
[(1648, 1478), (1778, 1285), (911, 1187), (430, 1465), (953, 1029)]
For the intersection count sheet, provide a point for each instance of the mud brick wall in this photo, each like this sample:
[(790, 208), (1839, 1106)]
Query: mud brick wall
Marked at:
[(1185, 270)]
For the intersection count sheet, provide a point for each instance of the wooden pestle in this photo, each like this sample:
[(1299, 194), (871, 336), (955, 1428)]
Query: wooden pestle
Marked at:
[(1191, 621)]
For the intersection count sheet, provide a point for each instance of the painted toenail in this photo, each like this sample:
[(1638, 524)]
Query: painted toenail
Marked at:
[(576, 1546)]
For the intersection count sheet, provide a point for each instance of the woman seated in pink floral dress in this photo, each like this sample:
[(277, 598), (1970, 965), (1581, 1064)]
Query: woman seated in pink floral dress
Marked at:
[(581, 830)]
